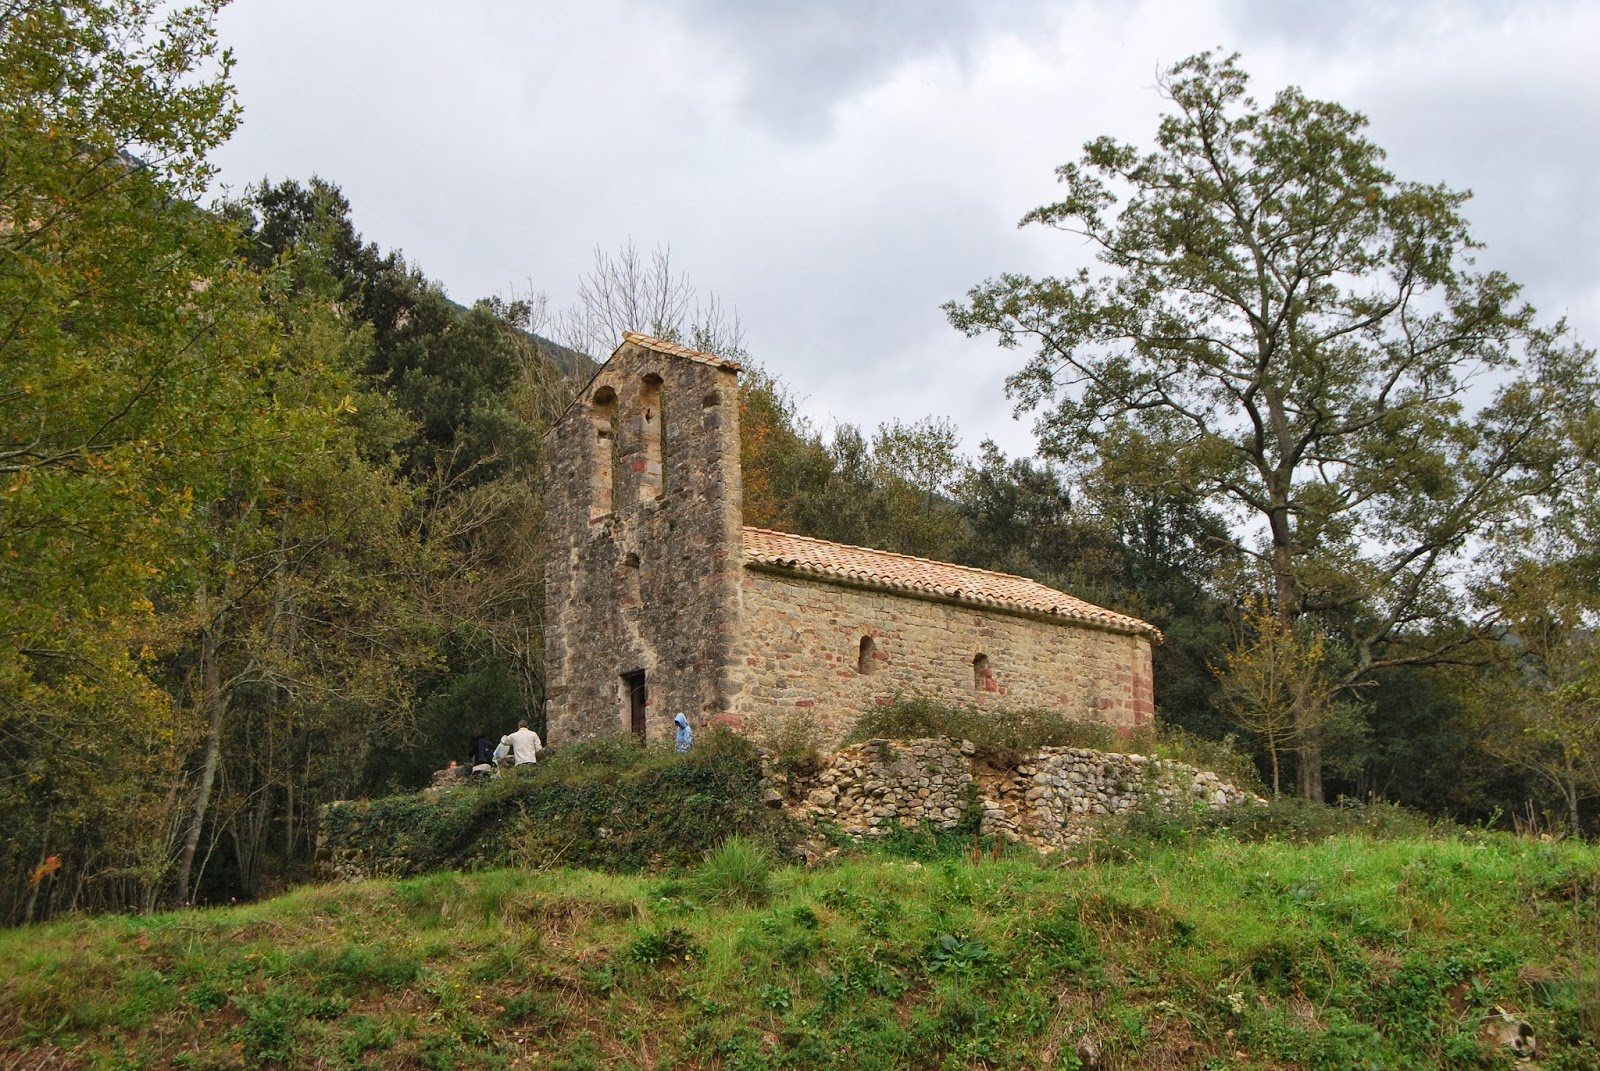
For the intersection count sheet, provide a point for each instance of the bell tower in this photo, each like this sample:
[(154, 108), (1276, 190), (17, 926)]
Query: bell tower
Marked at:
[(643, 507)]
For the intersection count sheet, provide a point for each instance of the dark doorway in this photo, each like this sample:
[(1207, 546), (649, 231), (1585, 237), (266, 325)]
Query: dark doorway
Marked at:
[(638, 700)]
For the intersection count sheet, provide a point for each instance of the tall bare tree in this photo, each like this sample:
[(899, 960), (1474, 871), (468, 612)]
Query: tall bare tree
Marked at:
[(634, 291)]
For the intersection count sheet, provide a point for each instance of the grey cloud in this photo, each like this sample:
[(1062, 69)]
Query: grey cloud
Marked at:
[(1331, 27), (800, 59)]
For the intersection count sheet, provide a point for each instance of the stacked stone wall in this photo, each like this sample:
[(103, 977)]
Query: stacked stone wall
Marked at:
[(1048, 796), (797, 654), (1047, 799), (868, 788)]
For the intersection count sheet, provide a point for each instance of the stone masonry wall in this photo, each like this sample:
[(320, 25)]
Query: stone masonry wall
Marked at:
[(867, 788), (1046, 800), (1048, 796), (643, 506), (796, 655)]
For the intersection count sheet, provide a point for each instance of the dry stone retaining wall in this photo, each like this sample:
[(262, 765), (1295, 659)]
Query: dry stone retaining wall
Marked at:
[(1049, 795), (868, 788), (1044, 800)]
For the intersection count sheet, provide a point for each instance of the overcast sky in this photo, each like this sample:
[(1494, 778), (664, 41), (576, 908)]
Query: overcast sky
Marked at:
[(836, 169)]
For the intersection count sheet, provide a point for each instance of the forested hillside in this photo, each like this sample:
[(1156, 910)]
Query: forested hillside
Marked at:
[(270, 498)]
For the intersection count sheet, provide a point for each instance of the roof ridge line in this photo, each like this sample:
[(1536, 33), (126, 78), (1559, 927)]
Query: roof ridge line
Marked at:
[(930, 577), (906, 557), (678, 349)]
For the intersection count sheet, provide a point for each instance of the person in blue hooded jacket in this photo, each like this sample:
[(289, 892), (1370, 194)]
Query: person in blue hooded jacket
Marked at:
[(685, 734)]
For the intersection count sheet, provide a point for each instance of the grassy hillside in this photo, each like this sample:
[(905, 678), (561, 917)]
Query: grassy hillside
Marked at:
[(1185, 949)]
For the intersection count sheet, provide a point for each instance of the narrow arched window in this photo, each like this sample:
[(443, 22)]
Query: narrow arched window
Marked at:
[(982, 679), (866, 655), (649, 458), (602, 417)]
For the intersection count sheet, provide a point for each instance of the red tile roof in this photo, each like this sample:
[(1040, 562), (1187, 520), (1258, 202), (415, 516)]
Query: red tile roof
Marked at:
[(903, 573), (672, 348)]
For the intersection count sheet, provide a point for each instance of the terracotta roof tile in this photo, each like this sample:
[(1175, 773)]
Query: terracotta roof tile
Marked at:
[(901, 572), (663, 346)]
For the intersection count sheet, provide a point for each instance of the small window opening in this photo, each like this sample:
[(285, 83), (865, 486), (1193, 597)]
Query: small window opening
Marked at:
[(631, 560), (866, 655), (711, 401), (638, 701), (982, 676)]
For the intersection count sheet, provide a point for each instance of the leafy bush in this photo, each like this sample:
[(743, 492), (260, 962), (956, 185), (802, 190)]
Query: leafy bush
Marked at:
[(608, 755), (1180, 745), (737, 871), (797, 747)]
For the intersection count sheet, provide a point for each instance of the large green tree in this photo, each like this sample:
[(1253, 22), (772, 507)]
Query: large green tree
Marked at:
[(460, 396), (134, 355), (1303, 339)]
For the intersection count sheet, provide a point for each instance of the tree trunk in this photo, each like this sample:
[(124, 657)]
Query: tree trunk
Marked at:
[(1569, 789), (44, 855), (1308, 773), (288, 818), (213, 701)]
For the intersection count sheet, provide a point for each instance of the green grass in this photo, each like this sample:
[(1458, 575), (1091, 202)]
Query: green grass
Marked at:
[(1197, 950)]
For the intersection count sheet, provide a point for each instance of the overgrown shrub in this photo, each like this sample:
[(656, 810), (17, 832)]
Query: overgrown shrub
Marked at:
[(797, 747), (1008, 730), (1218, 756), (1293, 821), (608, 755), (604, 803), (1006, 734)]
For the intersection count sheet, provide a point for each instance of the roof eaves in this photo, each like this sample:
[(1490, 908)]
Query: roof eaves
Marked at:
[(1092, 615)]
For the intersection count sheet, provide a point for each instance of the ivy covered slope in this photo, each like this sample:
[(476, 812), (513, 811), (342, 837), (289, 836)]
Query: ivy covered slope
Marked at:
[(605, 803), (1174, 947)]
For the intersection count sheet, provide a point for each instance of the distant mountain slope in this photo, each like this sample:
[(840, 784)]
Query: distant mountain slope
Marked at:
[(571, 362)]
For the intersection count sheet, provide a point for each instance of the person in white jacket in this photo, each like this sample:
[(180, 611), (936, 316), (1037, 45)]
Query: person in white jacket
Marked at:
[(523, 745)]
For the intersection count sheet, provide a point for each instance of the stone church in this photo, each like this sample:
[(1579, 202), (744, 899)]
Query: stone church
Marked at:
[(660, 600)]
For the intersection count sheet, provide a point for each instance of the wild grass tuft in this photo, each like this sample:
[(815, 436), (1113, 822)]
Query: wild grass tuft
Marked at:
[(737, 871)]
